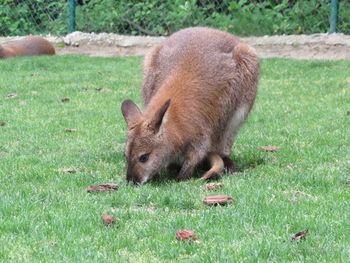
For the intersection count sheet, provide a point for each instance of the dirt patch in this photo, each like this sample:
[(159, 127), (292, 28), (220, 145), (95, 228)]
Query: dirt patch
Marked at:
[(317, 46)]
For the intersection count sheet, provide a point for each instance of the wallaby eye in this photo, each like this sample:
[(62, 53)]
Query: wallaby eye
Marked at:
[(144, 158)]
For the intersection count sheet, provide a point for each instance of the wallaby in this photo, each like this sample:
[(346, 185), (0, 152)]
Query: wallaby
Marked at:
[(199, 86), (28, 46)]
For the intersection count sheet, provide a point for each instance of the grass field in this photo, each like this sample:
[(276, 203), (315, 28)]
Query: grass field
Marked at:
[(46, 215)]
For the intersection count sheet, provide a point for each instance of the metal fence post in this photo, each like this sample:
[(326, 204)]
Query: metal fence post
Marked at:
[(334, 16), (71, 16)]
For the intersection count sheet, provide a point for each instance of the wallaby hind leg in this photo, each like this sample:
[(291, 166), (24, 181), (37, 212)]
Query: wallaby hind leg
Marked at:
[(217, 167), (229, 165)]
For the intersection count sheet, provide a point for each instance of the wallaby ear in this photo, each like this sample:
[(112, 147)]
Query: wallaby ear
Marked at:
[(157, 119), (130, 112)]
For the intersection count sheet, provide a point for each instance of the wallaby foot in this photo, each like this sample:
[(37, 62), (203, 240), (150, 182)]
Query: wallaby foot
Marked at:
[(217, 167), (229, 165)]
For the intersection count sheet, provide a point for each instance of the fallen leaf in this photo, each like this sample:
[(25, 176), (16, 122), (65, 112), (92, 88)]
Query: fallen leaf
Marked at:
[(22, 102), (3, 153), (69, 170), (108, 219), (348, 113), (65, 99), (71, 130), (218, 200), (2, 123), (300, 235), (212, 186), (12, 95), (185, 235), (270, 148), (102, 188)]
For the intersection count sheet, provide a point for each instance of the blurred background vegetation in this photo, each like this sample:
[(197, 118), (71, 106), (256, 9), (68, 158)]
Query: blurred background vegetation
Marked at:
[(163, 17)]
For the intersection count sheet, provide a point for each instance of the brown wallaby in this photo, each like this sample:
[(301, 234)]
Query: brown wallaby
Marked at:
[(199, 86), (28, 46)]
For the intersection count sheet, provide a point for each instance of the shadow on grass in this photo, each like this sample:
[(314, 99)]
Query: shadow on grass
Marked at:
[(242, 163)]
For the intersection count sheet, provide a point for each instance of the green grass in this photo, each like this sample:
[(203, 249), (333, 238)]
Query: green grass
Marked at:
[(47, 216)]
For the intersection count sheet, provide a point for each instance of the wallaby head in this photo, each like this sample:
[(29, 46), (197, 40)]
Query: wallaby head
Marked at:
[(146, 148)]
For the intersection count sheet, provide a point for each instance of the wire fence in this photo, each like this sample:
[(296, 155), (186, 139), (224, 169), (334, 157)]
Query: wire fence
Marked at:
[(163, 17)]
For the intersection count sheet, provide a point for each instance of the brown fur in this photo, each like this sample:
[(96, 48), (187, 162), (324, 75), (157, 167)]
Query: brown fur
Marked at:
[(28, 46), (199, 86)]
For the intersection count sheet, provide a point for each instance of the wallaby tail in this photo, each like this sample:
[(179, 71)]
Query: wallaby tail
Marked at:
[(217, 167)]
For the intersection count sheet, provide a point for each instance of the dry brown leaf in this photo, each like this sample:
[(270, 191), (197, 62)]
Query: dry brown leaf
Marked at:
[(108, 219), (102, 188), (218, 200), (348, 113), (2, 123), (270, 148), (300, 235), (212, 186), (65, 99), (71, 130), (185, 235)]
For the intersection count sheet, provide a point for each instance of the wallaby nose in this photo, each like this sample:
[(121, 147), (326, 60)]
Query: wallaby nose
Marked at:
[(133, 179)]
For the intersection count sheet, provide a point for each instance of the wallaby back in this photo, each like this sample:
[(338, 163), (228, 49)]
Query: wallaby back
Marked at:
[(211, 78), (28, 46)]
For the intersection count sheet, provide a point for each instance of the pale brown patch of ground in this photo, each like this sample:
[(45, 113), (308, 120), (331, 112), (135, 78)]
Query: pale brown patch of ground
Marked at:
[(317, 46)]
